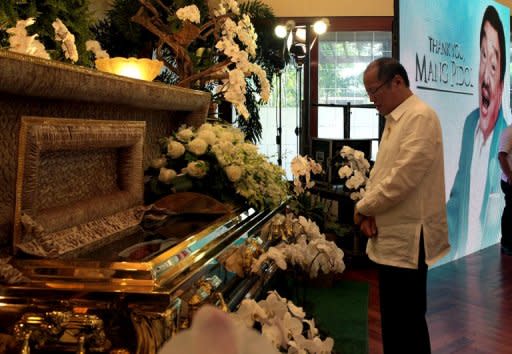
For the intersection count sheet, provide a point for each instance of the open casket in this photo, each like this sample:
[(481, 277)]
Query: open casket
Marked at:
[(89, 267)]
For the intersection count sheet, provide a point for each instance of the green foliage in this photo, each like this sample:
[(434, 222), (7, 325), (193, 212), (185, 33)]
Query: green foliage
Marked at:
[(340, 230), (252, 126), (311, 208), (215, 160), (217, 185), (268, 45), (121, 37), (73, 13)]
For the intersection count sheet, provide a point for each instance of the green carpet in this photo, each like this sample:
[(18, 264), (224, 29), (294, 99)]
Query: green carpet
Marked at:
[(340, 312)]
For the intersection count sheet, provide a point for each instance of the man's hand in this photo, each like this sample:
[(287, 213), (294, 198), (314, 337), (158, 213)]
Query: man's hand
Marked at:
[(368, 226)]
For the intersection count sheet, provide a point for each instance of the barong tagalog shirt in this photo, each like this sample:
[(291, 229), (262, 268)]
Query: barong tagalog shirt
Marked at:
[(406, 192), (506, 147)]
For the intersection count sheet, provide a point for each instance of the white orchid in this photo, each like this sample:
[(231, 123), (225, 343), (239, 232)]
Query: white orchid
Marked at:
[(356, 180), (300, 166), (310, 251), (283, 323), (234, 87), (296, 310), (354, 169), (272, 253), (21, 42), (225, 6), (312, 330), (67, 38), (189, 13), (225, 67), (95, 47), (345, 171), (248, 312), (302, 169)]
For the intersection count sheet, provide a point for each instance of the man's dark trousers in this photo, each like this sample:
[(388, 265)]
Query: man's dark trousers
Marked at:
[(403, 306)]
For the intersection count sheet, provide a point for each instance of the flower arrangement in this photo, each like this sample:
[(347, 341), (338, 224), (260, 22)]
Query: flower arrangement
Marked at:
[(299, 240), (302, 169), (303, 246), (21, 42), (207, 44), (284, 324), (214, 159), (302, 201), (44, 20), (273, 325), (354, 170)]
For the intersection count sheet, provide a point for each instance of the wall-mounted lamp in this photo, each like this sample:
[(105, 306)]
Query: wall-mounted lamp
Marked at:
[(142, 69)]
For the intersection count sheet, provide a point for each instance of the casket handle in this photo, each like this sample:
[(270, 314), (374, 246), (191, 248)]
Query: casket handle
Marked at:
[(81, 345), (25, 347)]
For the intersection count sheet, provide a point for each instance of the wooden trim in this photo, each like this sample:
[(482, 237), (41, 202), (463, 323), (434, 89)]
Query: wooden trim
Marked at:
[(313, 127), (348, 23), (380, 23)]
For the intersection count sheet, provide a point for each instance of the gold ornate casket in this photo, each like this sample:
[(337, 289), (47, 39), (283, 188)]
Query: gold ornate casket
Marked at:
[(85, 266)]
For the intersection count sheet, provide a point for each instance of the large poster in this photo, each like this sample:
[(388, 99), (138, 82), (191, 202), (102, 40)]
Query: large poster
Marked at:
[(456, 53)]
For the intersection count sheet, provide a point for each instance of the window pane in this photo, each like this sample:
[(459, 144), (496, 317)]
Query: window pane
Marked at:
[(330, 122), (269, 117), (375, 149), (364, 123), (343, 56)]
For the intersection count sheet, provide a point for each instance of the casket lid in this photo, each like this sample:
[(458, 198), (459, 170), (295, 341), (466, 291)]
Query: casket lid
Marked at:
[(78, 183)]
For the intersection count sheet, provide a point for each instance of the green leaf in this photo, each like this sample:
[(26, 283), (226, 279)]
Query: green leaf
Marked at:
[(182, 183)]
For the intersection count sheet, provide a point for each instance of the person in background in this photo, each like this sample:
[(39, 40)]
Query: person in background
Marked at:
[(403, 209), (505, 159), (475, 199)]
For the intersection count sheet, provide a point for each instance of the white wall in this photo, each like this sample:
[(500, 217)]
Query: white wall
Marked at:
[(308, 8)]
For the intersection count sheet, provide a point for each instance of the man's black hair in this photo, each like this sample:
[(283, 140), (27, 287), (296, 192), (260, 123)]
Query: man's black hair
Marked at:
[(491, 16), (388, 68)]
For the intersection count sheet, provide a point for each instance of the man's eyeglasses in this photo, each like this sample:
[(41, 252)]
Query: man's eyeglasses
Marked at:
[(374, 91)]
